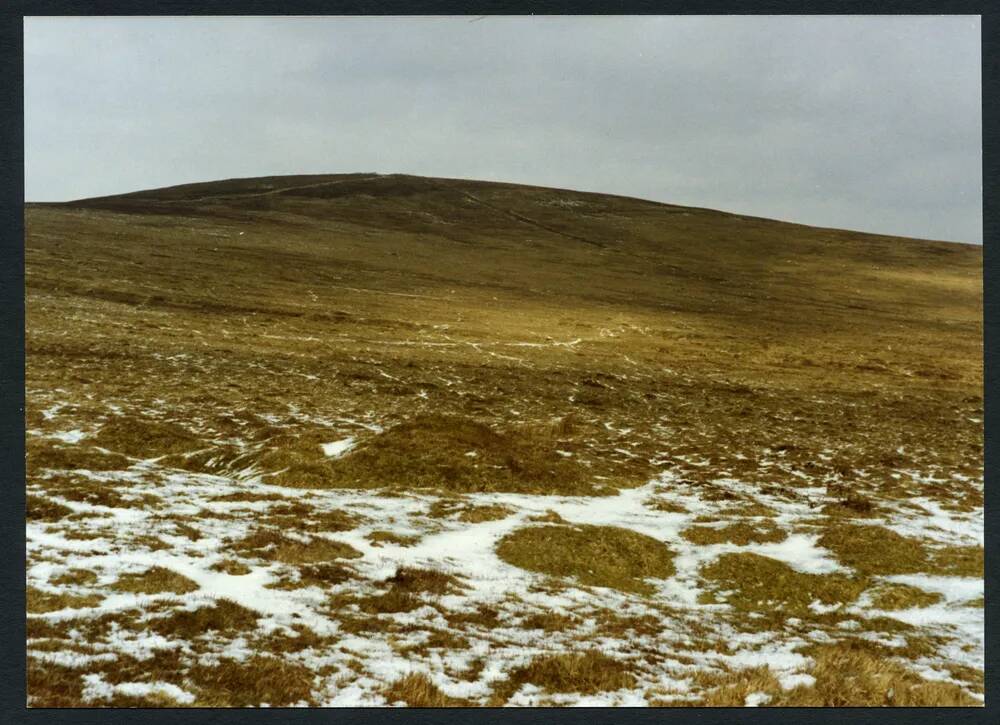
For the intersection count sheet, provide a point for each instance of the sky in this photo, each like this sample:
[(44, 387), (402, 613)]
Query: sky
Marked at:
[(867, 123)]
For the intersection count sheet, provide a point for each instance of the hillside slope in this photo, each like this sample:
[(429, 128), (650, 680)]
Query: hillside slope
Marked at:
[(291, 391)]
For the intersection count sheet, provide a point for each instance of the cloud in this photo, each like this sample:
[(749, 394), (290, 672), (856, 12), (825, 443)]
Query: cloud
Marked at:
[(869, 123)]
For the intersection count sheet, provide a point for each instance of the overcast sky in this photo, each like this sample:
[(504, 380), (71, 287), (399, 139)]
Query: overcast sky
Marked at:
[(869, 123)]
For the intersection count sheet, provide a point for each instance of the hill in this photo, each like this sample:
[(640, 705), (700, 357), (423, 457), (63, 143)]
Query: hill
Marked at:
[(386, 392)]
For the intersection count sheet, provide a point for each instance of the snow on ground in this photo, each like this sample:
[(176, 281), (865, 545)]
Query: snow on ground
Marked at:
[(102, 539)]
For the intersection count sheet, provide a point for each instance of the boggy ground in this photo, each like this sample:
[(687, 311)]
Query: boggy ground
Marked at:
[(389, 440)]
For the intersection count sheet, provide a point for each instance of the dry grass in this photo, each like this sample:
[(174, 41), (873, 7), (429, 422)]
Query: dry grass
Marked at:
[(587, 673), (846, 676), (231, 567), (959, 561), (604, 556), (44, 454), (759, 583), (274, 546), (739, 533), (378, 538), (892, 597), (40, 602), (424, 580), (43, 509), (144, 437), (416, 690), (76, 577), (549, 621), (258, 680), (155, 580), (430, 451), (479, 514), (875, 550), (716, 345), (222, 617)]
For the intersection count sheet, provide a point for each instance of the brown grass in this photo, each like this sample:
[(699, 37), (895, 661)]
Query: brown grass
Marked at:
[(604, 556), (549, 621), (846, 676), (902, 596), (759, 583), (155, 580), (587, 672), (76, 577), (739, 533), (416, 690), (479, 514), (144, 437), (258, 680), (41, 602), (429, 451), (67, 458), (224, 616), (424, 580), (388, 537), (231, 567), (875, 550), (43, 509), (275, 546)]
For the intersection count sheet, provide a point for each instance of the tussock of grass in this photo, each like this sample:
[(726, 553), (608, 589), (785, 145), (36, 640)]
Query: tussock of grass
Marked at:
[(144, 437), (891, 597), (416, 690), (850, 504), (757, 583), (875, 550), (391, 602), (605, 556), (388, 537), (43, 509), (52, 685), (731, 689), (155, 580), (424, 580), (666, 505), (231, 567), (249, 497), (258, 680), (750, 509), (315, 575), (325, 574), (96, 493), (483, 616), (215, 459), (429, 451), (42, 455), (549, 517), (739, 533), (478, 514), (41, 602), (274, 546), (586, 672), (281, 643), (959, 561), (848, 676), (613, 624), (224, 616), (76, 577), (548, 621)]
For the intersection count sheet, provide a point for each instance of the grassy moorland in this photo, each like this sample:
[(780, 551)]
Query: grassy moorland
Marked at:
[(368, 439)]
